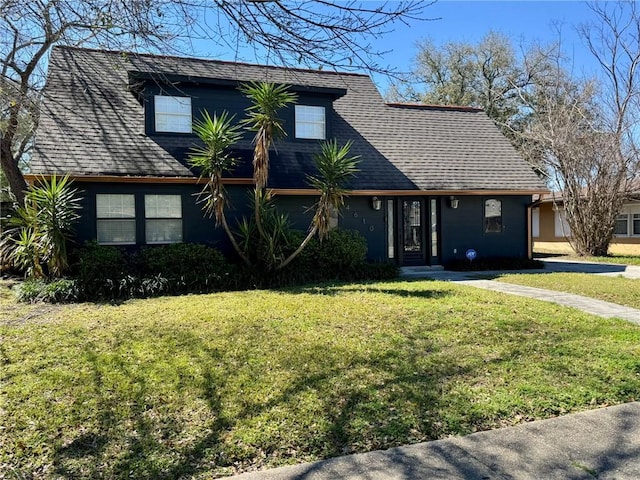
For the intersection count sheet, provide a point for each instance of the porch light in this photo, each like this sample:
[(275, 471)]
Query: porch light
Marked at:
[(453, 201), (376, 203)]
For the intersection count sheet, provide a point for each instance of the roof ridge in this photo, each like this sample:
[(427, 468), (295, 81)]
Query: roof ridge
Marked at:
[(211, 60), (427, 106)]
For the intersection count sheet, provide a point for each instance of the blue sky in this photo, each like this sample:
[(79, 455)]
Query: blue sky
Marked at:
[(523, 21)]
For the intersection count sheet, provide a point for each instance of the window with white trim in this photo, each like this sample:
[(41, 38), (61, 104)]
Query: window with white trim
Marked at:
[(628, 222), (116, 219), (173, 114), (163, 218), (561, 225), (535, 222), (310, 122), (621, 227)]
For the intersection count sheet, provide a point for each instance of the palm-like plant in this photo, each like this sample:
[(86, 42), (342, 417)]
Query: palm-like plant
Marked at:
[(214, 159), (335, 168), (42, 227), (267, 99)]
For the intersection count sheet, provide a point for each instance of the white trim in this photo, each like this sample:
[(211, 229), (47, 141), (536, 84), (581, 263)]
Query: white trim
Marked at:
[(172, 114), (310, 122)]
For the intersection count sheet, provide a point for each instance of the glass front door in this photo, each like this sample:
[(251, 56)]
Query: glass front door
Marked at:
[(419, 231), (413, 238)]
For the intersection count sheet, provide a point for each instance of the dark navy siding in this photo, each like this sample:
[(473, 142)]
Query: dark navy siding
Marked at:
[(463, 228), (197, 228), (460, 229), (356, 215), (220, 98)]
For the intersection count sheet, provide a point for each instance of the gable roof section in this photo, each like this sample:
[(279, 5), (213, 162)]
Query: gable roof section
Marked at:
[(92, 124)]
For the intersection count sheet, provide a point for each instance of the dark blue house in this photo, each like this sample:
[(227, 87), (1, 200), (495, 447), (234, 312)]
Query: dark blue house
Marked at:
[(433, 181)]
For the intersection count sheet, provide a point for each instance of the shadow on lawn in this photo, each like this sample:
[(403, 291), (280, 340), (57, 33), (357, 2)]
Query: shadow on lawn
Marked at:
[(390, 289), (125, 437)]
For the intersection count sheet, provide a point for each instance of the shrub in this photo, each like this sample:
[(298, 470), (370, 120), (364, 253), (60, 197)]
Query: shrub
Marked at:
[(338, 256), (187, 267), (57, 291), (101, 270), (494, 263)]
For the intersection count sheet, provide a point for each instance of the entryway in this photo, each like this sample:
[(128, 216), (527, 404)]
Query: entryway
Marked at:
[(418, 231)]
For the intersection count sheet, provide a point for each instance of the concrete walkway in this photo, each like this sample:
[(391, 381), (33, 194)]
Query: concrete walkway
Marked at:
[(602, 444), (586, 304)]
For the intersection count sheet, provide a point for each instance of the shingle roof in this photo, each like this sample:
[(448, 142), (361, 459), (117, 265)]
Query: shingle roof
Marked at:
[(92, 124)]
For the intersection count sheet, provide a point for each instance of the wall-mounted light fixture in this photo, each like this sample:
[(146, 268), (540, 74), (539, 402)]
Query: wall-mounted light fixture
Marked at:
[(453, 201), (376, 203)]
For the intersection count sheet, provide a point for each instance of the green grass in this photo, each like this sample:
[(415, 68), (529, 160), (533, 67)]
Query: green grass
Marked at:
[(620, 290), (209, 385), (617, 259)]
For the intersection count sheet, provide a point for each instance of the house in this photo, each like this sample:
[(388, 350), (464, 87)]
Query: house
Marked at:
[(433, 182), (551, 232)]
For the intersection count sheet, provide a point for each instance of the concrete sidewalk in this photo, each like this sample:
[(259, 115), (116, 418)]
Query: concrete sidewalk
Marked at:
[(602, 444)]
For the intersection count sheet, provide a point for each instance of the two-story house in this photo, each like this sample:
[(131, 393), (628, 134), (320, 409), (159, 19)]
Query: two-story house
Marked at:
[(433, 182)]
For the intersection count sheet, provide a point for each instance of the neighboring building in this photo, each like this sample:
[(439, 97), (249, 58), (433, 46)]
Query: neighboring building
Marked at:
[(550, 230), (433, 182)]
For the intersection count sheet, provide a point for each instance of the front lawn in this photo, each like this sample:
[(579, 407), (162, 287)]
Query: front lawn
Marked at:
[(617, 259), (620, 290), (209, 385)]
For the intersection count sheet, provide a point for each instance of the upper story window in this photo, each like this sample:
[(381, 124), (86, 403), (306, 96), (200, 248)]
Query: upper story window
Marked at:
[(173, 114), (116, 219), (310, 122), (492, 216)]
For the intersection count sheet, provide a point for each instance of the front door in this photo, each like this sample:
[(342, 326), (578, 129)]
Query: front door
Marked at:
[(412, 241)]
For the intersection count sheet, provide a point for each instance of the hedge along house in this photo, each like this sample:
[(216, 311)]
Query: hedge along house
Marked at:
[(433, 182)]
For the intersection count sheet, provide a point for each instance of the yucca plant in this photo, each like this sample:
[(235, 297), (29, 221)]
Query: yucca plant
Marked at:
[(214, 159), (267, 99), (43, 226), (335, 167)]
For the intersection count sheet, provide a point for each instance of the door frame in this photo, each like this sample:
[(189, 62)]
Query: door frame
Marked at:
[(424, 257)]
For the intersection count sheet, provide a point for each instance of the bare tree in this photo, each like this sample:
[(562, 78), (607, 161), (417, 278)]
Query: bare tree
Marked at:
[(583, 134), (493, 75), (315, 33)]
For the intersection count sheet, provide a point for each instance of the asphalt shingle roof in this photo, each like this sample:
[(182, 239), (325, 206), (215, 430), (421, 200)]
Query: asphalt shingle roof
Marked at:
[(92, 124)]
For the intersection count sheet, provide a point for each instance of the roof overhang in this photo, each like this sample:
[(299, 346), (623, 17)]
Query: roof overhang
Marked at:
[(136, 77)]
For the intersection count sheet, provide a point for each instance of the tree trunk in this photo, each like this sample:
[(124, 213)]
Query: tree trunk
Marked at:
[(16, 180)]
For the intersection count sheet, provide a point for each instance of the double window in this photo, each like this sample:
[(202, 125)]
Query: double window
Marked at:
[(310, 122), (173, 114), (116, 219)]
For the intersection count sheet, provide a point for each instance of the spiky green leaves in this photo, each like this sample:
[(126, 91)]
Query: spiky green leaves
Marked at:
[(335, 168), (43, 226), (267, 99), (214, 158)]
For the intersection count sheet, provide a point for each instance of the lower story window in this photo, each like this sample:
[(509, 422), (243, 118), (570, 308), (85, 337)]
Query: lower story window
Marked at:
[(115, 219), (622, 225), (163, 218), (492, 216)]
